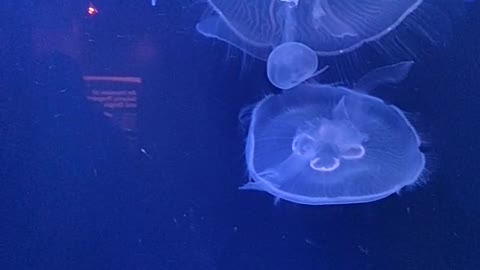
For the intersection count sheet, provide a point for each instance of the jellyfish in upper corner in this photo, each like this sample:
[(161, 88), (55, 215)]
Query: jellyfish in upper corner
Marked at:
[(328, 27), (323, 144), (308, 28)]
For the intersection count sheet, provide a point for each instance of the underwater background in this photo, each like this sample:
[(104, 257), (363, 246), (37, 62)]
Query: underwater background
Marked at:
[(121, 148)]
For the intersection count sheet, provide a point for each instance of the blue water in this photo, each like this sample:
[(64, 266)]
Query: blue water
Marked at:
[(77, 194)]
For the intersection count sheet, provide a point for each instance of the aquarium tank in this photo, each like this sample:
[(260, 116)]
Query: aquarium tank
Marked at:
[(240, 134)]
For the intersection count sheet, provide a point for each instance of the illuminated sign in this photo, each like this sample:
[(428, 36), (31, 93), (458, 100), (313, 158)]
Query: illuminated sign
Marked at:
[(117, 97)]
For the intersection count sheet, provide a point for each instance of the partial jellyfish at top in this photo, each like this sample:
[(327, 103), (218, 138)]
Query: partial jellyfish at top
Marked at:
[(323, 144), (291, 34)]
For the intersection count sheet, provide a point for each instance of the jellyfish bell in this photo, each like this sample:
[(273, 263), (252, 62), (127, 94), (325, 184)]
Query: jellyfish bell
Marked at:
[(328, 27), (323, 144), (291, 63), (334, 30)]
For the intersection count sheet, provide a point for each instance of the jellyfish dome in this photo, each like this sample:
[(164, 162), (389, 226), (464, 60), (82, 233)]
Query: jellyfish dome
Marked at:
[(328, 27), (321, 144), (290, 64)]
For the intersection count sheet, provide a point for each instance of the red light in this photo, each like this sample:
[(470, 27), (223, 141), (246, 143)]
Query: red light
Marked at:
[(92, 11)]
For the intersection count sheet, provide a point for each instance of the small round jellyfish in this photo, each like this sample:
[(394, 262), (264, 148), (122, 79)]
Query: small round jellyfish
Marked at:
[(321, 144), (290, 64)]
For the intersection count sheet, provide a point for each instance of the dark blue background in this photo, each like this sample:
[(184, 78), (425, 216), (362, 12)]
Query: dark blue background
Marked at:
[(72, 196)]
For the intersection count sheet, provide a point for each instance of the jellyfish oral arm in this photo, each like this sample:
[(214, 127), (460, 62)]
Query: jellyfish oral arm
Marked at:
[(390, 74), (318, 72)]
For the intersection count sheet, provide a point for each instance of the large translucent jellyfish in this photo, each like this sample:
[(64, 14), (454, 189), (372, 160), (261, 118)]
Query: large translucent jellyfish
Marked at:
[(308, 28), (328, 27), (323, 144)]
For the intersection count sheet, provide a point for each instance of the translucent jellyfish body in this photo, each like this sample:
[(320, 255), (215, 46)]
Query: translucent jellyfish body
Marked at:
[(290, 64), (291, 34), (320, 144), (328, 27)]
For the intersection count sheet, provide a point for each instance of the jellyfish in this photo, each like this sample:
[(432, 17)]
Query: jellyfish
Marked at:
[(290, 64), (328, 27), (322, 144), (325, 28)]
